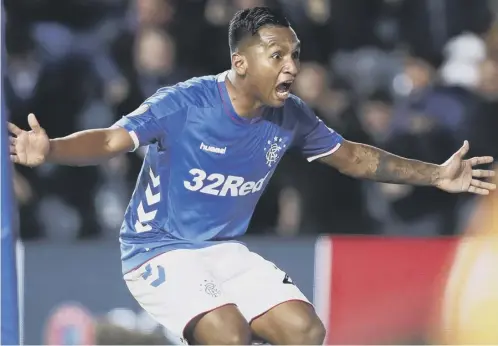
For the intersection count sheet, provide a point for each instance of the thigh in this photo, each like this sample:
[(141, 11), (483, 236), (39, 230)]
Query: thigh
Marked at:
[(175, 289), (292, 322), (222, 326), (259, 285)]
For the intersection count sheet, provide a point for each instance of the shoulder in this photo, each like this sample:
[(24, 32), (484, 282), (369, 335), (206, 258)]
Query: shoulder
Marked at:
[(297, 111), (294, 114), (299, 115), (294, 102), (195, 92), (296, 106)]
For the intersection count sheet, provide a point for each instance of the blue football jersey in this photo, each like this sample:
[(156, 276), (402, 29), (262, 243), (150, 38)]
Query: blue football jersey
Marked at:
[(206, 167)]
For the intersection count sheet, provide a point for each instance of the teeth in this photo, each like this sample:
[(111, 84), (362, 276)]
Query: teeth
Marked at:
[(283, 93)]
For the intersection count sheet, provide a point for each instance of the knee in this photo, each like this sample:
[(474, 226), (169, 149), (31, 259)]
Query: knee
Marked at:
[(228, 334), (222, 326), (309, 332), (317, 333), (232, 333), (239, 337)]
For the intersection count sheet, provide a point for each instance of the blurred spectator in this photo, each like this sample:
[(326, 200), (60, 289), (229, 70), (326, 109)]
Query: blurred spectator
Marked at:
[(22, 189), (484, 120), (376, 117), (416, 77), (426, 26), (289, 217), (154, 13), (413, 77), (155, 61)]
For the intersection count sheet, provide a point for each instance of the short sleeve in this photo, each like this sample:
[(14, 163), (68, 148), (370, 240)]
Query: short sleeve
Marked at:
[(313, 137), (153, 120)]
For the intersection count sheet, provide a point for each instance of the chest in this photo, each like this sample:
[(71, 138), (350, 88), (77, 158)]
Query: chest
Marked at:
[(216, 142)]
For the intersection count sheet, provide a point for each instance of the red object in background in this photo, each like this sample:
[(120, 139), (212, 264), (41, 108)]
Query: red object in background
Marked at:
[(70, 324), (379, 290)]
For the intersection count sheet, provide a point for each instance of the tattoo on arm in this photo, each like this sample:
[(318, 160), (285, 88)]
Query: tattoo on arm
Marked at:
[(379, 165)]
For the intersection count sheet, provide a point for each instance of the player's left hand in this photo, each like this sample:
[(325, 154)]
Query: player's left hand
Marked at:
[(459, 175)]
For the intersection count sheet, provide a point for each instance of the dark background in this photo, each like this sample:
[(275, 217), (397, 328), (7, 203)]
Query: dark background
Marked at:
[(413, 77)]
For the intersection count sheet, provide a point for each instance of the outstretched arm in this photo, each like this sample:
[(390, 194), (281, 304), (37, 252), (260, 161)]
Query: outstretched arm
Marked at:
[(455, 175), (32, 148), (367, 162), (89, 147)]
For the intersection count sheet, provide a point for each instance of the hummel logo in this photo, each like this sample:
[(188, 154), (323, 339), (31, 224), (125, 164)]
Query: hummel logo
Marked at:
[(213, 149)]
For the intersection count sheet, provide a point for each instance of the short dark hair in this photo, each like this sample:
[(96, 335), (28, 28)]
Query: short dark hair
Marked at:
[(247, 23)]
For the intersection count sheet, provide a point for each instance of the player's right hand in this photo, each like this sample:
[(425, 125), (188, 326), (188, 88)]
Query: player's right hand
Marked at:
[(29, 148)]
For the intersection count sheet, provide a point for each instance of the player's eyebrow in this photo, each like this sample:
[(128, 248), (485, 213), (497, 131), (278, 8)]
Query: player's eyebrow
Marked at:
[(272, 43)]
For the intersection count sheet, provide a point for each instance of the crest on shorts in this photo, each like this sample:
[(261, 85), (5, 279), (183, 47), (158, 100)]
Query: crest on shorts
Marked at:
[(273, 148), (211, 289)]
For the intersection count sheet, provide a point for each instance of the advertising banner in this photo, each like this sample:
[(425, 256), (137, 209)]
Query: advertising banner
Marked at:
[(380, 290)]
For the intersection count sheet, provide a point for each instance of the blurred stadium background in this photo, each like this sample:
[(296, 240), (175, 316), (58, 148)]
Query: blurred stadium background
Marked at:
[(383, 263)]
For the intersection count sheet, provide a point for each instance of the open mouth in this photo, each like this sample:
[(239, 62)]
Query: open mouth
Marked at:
[(283, 89)]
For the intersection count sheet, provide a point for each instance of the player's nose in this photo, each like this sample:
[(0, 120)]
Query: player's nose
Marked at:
[(292, 68)]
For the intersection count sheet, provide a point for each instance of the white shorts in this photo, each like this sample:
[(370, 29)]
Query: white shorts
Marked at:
[(179, 285)]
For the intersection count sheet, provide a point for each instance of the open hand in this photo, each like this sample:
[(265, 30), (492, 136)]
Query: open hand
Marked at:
[(29, 148), (458, 175)]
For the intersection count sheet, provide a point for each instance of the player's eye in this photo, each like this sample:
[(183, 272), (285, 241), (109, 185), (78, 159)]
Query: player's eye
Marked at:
[(276, 56), (296, 54)]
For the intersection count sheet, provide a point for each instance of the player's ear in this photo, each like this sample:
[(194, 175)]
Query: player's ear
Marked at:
[(239, 63)]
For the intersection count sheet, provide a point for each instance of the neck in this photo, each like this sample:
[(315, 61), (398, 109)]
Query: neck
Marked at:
[(242, 100)]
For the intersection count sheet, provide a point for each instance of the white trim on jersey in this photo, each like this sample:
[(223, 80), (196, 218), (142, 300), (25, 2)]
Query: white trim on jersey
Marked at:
[(222, 76), (331, 151), (135, 140)]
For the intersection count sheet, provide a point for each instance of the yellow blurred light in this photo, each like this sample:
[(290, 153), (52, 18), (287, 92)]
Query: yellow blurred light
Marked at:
[(469, 306)]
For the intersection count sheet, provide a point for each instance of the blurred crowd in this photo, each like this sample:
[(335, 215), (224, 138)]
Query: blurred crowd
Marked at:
[(413, 77)]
